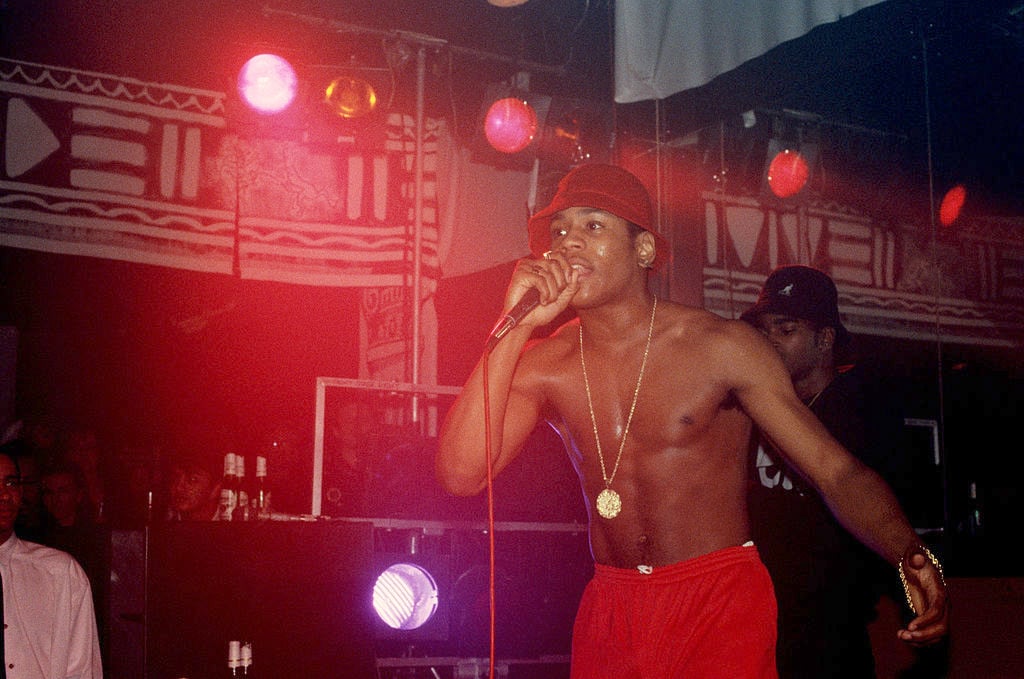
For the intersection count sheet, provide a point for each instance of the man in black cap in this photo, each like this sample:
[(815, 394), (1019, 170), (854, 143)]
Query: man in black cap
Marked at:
[(827, 584)]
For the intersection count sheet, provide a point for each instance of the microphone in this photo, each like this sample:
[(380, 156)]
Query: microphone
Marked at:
[(528, 303)]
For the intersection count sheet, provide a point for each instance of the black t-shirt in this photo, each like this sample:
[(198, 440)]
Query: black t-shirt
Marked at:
[(827, 584)]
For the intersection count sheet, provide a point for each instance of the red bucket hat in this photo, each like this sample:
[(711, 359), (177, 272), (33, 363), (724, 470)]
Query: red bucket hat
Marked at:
[(604, 187)]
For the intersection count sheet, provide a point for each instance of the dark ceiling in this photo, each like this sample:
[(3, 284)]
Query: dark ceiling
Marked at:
[(932, 85)]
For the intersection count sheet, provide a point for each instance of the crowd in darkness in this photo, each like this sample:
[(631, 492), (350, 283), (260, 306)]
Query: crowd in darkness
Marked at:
[(79, 486), (75, 478)]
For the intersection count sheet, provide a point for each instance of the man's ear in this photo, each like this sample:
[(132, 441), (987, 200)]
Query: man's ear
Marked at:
[(826, 337), (645, 249)]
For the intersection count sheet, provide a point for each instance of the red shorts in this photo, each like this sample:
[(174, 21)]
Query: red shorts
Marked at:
[(704, 618)]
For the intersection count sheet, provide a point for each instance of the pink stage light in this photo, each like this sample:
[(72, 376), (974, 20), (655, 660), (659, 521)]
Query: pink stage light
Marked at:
[(267, 83), (510, 125)]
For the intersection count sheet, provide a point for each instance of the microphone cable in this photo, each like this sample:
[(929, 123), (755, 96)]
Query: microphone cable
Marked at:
[(490, 510)]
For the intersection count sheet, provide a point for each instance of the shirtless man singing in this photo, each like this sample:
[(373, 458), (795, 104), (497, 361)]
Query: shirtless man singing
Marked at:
[(654, 402)]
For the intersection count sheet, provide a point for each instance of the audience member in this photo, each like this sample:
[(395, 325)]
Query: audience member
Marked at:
[(29, 444), (68, 526), (30, 524), (135, 486), (193, 486), (40, 437), (49, 620), (63, 493), (827, 584), (83, 449)]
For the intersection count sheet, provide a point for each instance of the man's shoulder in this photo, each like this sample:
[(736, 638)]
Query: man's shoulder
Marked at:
[(44, 555), (696, 325), (46, 569), (564, 339)]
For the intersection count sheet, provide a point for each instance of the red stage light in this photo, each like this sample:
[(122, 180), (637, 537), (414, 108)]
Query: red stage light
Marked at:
[(788, 173), (952, 204), (510, 125), (267, 83)]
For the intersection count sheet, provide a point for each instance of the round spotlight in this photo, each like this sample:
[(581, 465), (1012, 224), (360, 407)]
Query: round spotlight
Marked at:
[(952, 205), (267, 83), (405, 596), (788, 173), (510, 125), (350, 97)]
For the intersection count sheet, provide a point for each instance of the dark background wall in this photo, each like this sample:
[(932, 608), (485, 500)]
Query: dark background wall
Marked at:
[(161, 358), (166, 361)]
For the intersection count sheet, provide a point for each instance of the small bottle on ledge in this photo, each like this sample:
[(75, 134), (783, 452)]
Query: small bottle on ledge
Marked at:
[(246, 660), (241, 511), (234, 659), (228, 490), (261, 493)]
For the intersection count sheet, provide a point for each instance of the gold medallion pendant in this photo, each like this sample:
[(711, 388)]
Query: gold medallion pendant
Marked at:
[(609, 504)]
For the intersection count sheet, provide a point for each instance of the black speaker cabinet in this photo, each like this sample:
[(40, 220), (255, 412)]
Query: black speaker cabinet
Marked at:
[(301, 593)]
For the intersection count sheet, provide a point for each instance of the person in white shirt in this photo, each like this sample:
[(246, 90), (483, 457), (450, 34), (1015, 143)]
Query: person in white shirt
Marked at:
[(49, 623)]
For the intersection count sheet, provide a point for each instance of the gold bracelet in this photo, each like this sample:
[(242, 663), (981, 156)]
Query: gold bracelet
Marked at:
[(903, 577)]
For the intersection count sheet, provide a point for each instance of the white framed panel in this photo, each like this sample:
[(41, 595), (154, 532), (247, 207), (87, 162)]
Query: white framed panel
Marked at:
[(414, 407)]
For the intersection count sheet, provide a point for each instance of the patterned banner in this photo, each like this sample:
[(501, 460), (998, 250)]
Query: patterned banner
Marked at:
[(104, 166)]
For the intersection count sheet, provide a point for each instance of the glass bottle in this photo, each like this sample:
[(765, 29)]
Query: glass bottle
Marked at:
[(245, 663), (261, 492), (228, 490), (234, 659), (241, 511)]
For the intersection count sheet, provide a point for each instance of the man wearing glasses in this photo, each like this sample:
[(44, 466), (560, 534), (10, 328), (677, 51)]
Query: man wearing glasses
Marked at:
[(49, 625)]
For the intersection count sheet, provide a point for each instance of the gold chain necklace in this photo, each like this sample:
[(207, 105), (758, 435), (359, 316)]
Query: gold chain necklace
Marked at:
[(608, 502), (820, 392)]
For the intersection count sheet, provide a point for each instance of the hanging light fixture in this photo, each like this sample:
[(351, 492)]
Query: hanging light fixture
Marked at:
[(267, 83), (792, 156), (350, 97), (510, 124), (519, 126), (788, 173)]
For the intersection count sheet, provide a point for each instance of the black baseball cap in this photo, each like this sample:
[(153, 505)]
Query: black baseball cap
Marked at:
[(801, 292)]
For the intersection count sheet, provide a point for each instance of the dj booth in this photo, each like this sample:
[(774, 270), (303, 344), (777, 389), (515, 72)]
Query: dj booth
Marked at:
[(300, 588), (301, 592)]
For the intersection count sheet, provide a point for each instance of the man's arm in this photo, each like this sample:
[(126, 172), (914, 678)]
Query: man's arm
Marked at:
[(83, 645), (513, 400), (461, 463), (858, 497)]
